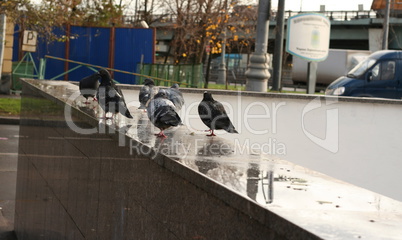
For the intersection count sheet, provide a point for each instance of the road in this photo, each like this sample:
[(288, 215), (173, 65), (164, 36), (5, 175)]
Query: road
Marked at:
[(8, 175)]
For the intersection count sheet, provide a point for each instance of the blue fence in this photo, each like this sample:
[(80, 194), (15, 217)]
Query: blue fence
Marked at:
[(92, 45)]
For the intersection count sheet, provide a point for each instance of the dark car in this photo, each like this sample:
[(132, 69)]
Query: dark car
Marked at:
[(380, 75)]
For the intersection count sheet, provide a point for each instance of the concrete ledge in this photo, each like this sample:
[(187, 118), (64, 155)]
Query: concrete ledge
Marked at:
[(279, 95), (119, 182)]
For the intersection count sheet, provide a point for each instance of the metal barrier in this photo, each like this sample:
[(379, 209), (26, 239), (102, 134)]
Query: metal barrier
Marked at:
[(184, 74), (92, 67), (24, 68)]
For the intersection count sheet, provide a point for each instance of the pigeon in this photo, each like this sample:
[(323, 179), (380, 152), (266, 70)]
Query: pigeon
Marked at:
[(173, 93), (162, 113), (89, 85), (110, 96), (147, 92), (213, 114)]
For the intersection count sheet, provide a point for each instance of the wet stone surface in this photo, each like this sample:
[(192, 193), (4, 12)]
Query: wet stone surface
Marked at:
[(321, 205)]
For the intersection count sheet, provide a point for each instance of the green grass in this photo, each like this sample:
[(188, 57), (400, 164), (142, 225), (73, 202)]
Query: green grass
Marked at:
[(10, 106), (230, 87)]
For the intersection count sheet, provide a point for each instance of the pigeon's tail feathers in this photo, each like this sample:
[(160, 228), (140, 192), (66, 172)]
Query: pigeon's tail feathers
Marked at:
[(232, 130), (128, 114), (170, 118), (124, 110)]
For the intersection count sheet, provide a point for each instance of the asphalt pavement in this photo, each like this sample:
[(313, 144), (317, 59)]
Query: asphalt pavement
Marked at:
[(9, 136)]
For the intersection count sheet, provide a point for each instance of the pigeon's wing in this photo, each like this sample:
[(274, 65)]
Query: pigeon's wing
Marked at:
[(103, 97), (220, 118), (162, 113), (218, 108), (89, 85), (205, 111), (123, 109), (89, 81), (119, 93), (115, 96), (154, 91), (144, 96), (122, 106), (176, 97), (167, 116)]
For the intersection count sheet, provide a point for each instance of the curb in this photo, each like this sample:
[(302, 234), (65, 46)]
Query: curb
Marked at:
[(10, 120)]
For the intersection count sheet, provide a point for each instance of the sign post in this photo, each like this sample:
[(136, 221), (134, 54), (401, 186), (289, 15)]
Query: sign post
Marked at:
[(308, 38), (29, 41)]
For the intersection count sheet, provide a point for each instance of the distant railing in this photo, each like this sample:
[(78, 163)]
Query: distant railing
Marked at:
[(332, 15), (184, 74), (338, 15)]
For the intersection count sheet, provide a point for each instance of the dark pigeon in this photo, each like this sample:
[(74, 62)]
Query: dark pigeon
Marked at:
[(213, 114), (89, 85), (147, 92), (162, 113), (110, 96), (173, 94)]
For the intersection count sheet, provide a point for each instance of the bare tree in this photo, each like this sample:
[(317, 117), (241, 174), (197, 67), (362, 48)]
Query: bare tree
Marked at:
[(50, 14), (195, 26)]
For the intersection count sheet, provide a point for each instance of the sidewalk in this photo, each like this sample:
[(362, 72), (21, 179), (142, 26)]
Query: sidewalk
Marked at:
[(9, 136)]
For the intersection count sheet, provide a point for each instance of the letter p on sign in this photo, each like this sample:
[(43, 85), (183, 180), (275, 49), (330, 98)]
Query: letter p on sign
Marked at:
[(29, 41)]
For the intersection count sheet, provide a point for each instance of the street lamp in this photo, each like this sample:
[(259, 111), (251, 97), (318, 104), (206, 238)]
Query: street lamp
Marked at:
[(222, 64), (257, 72)]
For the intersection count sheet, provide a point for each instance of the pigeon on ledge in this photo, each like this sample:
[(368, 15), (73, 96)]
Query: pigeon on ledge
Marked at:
[(147, 92), (213, 114), (162, 113), (173, 94), (89, 85), (110, 96)]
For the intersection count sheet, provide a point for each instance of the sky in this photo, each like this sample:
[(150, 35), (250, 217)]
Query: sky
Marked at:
[(314, 5), (297, 5)]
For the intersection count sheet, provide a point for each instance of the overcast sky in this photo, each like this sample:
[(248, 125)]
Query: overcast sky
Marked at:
[(314, 5)]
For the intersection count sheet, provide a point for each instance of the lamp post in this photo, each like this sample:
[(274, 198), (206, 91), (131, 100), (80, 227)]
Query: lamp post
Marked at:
[(386, 25), (257, 73), (277, 61), (222, 64)]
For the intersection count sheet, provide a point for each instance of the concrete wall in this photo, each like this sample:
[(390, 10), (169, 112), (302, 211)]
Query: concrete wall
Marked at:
[(6, 66)]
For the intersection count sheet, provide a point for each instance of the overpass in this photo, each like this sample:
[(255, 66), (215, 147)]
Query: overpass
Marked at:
[(361, 30)]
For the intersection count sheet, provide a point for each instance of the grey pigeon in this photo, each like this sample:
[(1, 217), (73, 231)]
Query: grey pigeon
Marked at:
[(173, 94), (110, 96), (89, 85), (213, 114), (147, 92), (162, 113)]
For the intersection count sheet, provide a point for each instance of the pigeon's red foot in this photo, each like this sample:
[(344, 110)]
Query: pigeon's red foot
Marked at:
[(161, 134), (212, 133)]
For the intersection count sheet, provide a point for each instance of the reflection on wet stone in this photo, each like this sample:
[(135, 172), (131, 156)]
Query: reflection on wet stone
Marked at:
[(253, 177), (144, 129), (215, 146), (267, 183)]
